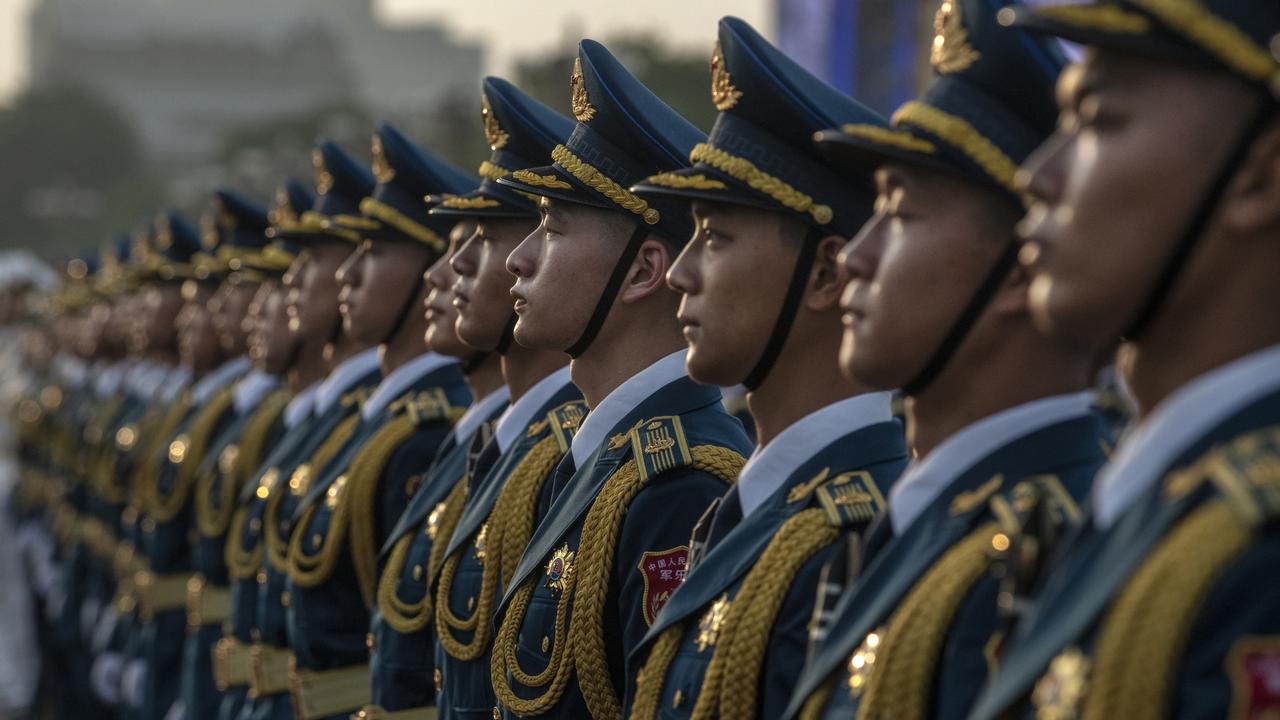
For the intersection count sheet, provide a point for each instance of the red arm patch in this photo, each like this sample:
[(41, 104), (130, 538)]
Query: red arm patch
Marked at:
[(662, 572), (1254, 668)]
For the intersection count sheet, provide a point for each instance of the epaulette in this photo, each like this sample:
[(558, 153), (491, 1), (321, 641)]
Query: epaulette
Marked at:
[(564, 422), (427, 406), (659, 445), (850, 499), (356, 397), (1246, 472)]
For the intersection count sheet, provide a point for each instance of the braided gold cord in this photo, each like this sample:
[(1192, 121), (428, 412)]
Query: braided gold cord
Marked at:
[(361, 496), (278, 547), (556, 675), (596, 554), (1143, 639), (964, 137), (760, 181), (510, 526), (1229, 43), (492, 171), (744, 636), (454, 503), (908, 655), (812, 709), (596, 180), (164, 508), (213, 521), (147, 470), (241, 564), (653, 675), (405, 617)]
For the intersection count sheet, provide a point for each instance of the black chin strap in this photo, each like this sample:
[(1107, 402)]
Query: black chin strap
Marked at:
[(472, 363), (977, 304), (1204, 212), (605, 303), (508, 335), (790, 307)]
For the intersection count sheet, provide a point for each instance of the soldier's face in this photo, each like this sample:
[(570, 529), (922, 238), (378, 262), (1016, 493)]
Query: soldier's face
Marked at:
[(561, 269), (271, 344), (313, 296), (482, 291), (376, 282), (197, 341), (442, 315), (229, 307), (1113, 188), (913, 268), (157, 331), (732, 277)]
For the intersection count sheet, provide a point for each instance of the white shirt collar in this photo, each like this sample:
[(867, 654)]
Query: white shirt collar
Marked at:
[(252, 388), (1147, 451), (623, 400), (109, 379), (301, 405), (518, 417), (218, 379), (399, 381), (174, 381), (927, 477), (770, 466), (342, 377), (479, 411)]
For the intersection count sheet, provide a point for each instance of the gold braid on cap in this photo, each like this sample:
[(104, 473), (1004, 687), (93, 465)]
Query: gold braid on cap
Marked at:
[(536, 180), (760, 181), (964, 137), (1102, 17), (696, 182), (492, 171), (596, 180), (1228, 43), (458, 202), (403, 223), (886, 136)]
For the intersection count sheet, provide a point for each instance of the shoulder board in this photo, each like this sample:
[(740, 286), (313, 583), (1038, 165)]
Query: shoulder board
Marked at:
[(1246, 471), (850, 499), (659, 446), (563, 423), (1015, 507), (424, 407), (356, 397)]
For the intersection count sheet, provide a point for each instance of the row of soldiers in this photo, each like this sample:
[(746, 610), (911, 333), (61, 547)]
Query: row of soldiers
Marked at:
[(265, 497)]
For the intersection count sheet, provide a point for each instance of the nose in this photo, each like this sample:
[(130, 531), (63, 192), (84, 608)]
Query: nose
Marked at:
[(683, 275), (521, 261), (860, 257), (464, 261)]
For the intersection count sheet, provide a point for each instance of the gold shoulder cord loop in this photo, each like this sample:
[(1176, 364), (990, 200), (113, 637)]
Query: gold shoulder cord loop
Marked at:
[(510, 526), (909, 652), (147, 470), (812, 709), (1144, 636), (164, 508), (403, 617), (352, 513), (587, 586), (744, 636), (214, 521), (278, 547)]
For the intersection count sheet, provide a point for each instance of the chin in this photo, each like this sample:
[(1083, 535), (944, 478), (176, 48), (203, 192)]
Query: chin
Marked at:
[(709, 370)]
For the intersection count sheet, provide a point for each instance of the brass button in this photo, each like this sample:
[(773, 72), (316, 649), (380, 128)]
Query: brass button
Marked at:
[(678, 700), (496, 714), (546, 643), (316, 540), (439, 678), (471, 603), (417, 573), (262, 577), (255, 525), (368, 641), (148, 525), (284, 598)]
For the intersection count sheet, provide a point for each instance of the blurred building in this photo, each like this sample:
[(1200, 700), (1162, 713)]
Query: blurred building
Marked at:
[(186, 72)]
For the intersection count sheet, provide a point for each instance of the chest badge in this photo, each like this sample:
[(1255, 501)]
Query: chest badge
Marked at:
[(711, 622), (433, 520), (482, 541), (861, 662), (1060, 693), (560, 569)]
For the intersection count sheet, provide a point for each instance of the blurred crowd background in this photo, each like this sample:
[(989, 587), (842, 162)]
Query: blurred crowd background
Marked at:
[(113, 109)]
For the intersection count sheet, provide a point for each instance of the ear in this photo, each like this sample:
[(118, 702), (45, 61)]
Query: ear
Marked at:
[(1252, 202), (826, 278), (648, 272), (1012, 299)]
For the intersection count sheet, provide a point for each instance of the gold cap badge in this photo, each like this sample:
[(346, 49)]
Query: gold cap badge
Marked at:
[(952, 52), (582, 109), (324, 179), (723, 93), (493, 132), (382, 169)]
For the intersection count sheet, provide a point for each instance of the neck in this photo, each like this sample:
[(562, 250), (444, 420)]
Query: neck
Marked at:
[(342, 349), (485, 378), (1019, 367), (522, 368), (805, 379), (310, 365), (627, 344), (404, 346)]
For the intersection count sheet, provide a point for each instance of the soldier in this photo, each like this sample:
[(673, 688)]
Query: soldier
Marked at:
[(761, 286), (239, 226), (410, 670), (349, 367), (996, 412), (354, 499), (655, 449), (1154, 217)]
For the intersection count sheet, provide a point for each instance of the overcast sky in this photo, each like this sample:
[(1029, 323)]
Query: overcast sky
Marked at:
[(528, 27)]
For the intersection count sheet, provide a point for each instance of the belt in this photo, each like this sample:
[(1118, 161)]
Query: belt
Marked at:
[(319, 694), (207, 604), (376, 712), (231, 664), (268, 670), (157, 594)]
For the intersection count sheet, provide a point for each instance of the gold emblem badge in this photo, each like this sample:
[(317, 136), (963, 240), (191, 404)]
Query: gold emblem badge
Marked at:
[(1059, 694), (862, 660), (324, 179), (178, 449), (228, 459), (952, 52), (433, 520), (382, 169), (335, 491), (582, 109), (282, 210), (482, 541), (711, 622), (560, 569), (723, 93), (300, 480), (493, 132)]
